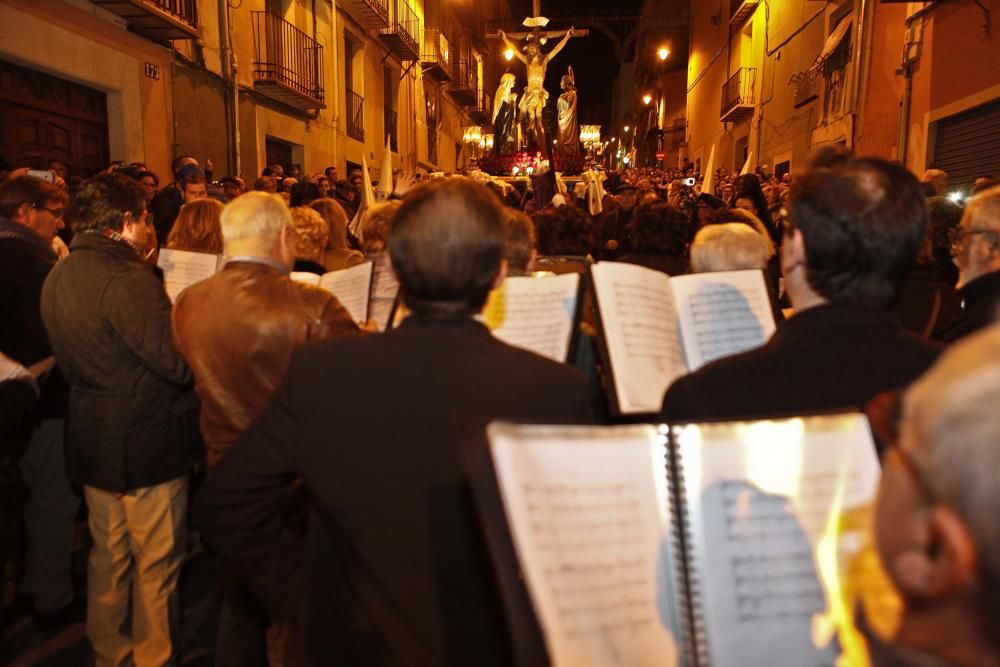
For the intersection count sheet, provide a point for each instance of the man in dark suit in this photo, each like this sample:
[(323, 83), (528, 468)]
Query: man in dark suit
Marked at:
[(976, 250), (393, 569), (852, 234)]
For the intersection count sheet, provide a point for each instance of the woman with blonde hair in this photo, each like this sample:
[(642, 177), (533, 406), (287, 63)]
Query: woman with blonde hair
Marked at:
[(338, 253), (729, 246), (376, 225), (311, 234), (198, 227)]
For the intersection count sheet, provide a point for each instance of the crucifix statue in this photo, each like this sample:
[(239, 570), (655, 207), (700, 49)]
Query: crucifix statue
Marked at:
[(533, 100)]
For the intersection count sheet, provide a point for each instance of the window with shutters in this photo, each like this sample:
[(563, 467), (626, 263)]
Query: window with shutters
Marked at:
[(967, 145)]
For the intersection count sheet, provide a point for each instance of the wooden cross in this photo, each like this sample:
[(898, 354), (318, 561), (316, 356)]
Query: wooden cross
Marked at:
[(536, 31)]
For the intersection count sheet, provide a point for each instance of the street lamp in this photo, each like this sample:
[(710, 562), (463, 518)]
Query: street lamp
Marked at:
[(627, 128), (664, 53), (646, 99)]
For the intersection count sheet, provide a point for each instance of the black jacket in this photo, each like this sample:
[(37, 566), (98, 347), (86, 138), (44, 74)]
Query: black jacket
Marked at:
[(824, 358), (927, 305), (132, 409), (394, 568), (25, 261), (165, 207), (980, 300)]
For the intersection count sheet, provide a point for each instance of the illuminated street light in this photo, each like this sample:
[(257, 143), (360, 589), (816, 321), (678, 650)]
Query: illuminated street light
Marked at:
[(627, 128), (664, 53), (647, 98), (509, 54)]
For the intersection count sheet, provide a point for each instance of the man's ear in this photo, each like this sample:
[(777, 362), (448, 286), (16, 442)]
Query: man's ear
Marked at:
[(943, 563), (796, 253), (501, 274), (23, 211), (954, 554)]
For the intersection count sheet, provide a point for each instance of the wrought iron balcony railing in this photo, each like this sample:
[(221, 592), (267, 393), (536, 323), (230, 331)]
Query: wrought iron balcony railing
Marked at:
[(372, 14), (288, 63), (738, 95), (482, 111), (402, 37), (465, 83), (435, 56), (355, 116), (158, 20)]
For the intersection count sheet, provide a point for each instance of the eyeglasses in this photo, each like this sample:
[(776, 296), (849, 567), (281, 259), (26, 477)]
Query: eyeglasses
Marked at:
[(56, 213), (957, 235)]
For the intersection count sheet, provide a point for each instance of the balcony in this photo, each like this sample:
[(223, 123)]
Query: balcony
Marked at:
[(435, 56), (287, 63), (389, 122), (371, 14), (741, 10), (355, 115), (806, 87), (738, 96), (402, 36), (158, 20), (482, 112), (465, 83)]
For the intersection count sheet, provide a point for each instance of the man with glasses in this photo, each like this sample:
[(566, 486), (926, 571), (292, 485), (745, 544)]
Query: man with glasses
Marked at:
[(31, 213), (852, 233), (132, 435), (936, 528), (975, 247)]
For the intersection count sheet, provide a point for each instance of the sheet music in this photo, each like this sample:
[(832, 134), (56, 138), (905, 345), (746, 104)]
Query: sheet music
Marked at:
[(588, 511), (535, 314), (352, 288), (182, 268), (384, 291), (779, 514), (721, 314), (640, 326)]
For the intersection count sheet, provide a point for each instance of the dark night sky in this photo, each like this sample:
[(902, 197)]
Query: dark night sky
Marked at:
[(592, 58)]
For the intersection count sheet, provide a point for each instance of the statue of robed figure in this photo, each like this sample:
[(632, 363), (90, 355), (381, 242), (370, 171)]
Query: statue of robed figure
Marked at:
[(569, 130), (505, 117)]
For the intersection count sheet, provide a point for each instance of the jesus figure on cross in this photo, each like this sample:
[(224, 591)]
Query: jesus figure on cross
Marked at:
[(535, 96)]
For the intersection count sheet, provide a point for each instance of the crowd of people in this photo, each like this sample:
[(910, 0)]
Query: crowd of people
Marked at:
[(332, 454)]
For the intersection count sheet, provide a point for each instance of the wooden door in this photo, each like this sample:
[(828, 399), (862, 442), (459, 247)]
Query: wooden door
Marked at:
[(44, 118)]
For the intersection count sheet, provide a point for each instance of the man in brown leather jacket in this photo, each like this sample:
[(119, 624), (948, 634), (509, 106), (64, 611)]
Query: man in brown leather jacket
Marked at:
[(237, 331)]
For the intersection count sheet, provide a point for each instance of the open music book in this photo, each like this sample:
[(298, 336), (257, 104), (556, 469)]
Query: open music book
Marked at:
[(732, 544), (183, 268), (656, 328), (352, 287), (538, 314)]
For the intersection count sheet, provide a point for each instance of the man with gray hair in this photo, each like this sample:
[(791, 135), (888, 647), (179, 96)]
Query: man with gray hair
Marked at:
[(936, 526), (975, 247), (237, 331), (394, 568)]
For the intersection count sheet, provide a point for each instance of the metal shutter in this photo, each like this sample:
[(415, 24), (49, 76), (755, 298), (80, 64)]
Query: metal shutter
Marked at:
[(968, 145)]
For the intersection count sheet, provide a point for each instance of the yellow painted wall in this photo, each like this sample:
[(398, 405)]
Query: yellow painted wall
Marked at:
[(92, 47)]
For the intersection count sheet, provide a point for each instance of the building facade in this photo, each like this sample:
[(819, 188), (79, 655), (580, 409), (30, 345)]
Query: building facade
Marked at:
[(773, 81), (311, 83)]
